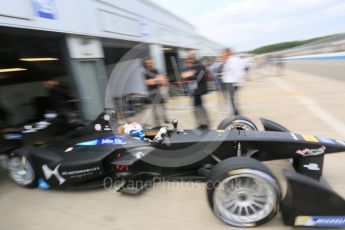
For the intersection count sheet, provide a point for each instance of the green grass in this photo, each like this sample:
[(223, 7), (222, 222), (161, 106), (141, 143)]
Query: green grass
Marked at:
[(287, 45)]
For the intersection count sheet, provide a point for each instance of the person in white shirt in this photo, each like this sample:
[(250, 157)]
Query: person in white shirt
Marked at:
[(233, 76)]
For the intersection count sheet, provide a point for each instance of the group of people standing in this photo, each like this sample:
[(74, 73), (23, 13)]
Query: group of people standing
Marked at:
[(228, 71)]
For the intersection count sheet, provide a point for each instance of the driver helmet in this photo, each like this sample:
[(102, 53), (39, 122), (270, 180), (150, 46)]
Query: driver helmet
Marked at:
[(134, 129)]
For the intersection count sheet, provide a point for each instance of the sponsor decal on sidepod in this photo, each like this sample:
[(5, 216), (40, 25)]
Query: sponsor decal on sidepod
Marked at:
[(48, 172), (114, 140), (311, 152)]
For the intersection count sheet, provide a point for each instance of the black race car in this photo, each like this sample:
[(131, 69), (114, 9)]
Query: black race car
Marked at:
[(241, 190), (35, 132)]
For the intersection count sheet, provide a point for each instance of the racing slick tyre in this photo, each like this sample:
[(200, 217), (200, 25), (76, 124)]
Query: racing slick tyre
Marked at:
[(242, 192), (21, 171), (237, 122)]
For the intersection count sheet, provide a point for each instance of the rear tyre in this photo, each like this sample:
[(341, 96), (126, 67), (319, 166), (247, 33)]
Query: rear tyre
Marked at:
[(21, 171), (242, 192), (237, 123)]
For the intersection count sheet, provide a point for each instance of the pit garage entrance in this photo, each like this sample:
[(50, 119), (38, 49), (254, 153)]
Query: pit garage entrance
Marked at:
[(28, 60)]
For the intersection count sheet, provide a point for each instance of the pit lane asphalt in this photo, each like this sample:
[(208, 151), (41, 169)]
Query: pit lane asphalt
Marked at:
[(172, 205)]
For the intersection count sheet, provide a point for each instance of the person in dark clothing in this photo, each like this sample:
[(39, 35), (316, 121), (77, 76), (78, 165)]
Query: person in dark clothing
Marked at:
[(154, 80), (279, 61), (58, 96), (196, 74), (3, 117)]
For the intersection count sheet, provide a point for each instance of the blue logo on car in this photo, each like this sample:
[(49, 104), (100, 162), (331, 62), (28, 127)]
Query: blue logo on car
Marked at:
[(113, 140), (13, 136), (42, 184), (320, 221)]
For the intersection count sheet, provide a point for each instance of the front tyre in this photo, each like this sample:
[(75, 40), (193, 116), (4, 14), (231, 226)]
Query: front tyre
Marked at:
[(21, 171), (242, 192), (237, 123)]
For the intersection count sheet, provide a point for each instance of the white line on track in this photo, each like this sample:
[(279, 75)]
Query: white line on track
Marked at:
[(313, 107)]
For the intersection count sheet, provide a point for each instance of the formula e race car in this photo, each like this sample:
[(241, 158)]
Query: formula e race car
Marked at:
[(35, 132), (241, 191)]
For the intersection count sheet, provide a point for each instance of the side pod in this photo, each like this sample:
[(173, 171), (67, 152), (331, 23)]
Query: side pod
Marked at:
[(309, 203), (272, 126)]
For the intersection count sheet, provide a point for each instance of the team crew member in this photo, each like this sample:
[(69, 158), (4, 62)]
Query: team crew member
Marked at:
[(153, 80), (233, 76), (196, 72)]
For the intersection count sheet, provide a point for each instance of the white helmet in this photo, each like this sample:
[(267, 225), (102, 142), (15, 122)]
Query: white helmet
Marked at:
[(132, 126)]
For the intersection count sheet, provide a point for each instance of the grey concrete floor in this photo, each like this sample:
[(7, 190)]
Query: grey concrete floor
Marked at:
[(172, 205)]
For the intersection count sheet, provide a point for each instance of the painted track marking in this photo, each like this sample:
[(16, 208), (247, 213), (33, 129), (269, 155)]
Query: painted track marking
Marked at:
[(313, 107)]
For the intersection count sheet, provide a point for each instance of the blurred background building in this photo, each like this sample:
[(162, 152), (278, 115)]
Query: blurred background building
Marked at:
[(78, 43)]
